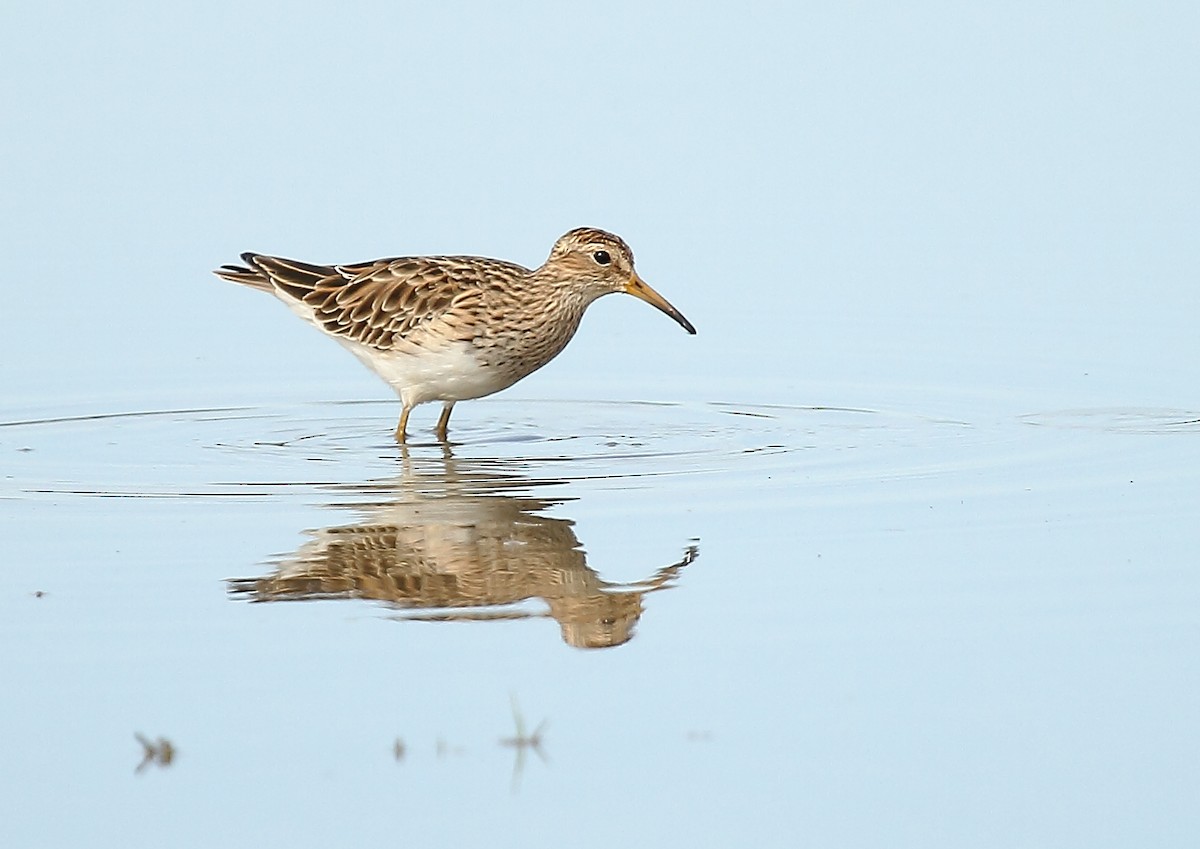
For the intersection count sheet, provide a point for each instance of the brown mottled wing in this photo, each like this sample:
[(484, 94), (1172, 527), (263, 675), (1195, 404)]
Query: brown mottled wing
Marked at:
[(383, 302)]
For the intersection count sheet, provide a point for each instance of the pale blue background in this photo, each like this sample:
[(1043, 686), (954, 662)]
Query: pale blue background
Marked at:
[(954, 629), (856, 192)]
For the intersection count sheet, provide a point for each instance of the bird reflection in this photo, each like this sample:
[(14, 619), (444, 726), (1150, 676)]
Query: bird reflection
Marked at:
[(456, 540)]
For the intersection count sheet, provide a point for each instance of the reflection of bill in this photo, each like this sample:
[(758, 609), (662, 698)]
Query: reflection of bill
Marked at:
[(448, 552)]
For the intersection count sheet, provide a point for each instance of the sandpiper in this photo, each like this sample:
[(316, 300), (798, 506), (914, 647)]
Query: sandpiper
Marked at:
[(451, 328)]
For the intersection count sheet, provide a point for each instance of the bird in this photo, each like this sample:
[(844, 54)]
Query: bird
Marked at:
[(453, 328)]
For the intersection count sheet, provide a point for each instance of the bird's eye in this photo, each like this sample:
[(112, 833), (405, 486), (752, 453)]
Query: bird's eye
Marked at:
[(602, 257)]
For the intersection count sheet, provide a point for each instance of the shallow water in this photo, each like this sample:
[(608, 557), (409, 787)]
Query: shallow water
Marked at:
[(796, 613)]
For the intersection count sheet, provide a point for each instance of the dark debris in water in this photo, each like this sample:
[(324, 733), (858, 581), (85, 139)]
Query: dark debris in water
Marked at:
[(160, 753)]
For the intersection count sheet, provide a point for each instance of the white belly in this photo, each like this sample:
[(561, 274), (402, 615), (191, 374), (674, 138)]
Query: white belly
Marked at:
[(450, 373)]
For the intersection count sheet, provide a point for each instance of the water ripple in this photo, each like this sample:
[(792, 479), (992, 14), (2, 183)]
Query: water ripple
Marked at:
[(719, 449)]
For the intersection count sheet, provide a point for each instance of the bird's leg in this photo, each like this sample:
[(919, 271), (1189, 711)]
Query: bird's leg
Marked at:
[(444, 421), (402, 428)]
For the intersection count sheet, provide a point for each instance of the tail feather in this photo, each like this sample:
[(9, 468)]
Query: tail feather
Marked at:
[(288, 278), (251, 276)]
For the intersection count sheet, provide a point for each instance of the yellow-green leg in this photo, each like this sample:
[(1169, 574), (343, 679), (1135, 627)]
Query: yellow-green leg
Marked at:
[(402, 428), (443, 424)]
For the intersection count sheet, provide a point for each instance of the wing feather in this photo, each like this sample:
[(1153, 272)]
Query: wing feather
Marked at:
[(386, 302)]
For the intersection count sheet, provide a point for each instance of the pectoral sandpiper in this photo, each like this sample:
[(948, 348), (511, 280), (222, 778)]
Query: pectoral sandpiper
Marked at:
[(450, 328)]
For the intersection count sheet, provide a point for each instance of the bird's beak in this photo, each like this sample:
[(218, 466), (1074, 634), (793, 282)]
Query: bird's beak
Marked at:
[(639, 289)]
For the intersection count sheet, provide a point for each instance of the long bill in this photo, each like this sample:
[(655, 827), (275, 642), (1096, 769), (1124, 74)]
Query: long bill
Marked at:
[(640, 289)]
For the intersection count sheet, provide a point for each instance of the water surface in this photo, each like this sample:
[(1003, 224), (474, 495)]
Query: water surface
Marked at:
[(800, 612)]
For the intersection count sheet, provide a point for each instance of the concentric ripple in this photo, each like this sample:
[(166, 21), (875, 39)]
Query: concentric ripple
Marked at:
[(721, 450), (1120, 420), (256, 450)]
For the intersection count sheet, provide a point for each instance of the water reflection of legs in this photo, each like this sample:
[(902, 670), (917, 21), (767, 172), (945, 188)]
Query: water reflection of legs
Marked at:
[(459, 540)]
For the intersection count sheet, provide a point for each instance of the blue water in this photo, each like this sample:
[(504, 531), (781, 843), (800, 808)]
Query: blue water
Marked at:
[(813, 610)]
